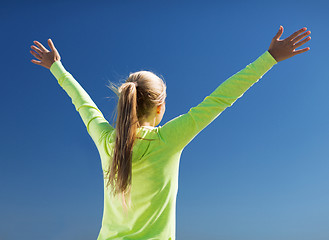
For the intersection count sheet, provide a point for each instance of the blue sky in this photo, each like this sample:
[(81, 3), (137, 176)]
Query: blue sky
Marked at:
[(259, 171)]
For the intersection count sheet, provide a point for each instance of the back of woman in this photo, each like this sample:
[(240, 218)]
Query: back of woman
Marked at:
[(154, 188)]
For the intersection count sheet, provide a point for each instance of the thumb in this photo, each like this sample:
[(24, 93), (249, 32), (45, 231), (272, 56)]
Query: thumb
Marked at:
[(279, 34), (51, 45)]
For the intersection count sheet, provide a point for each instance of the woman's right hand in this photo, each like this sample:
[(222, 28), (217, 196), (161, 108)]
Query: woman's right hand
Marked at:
[(284, 49)]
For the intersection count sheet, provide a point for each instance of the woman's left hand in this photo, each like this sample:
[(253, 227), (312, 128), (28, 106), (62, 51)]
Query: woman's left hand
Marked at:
[(46, 57)]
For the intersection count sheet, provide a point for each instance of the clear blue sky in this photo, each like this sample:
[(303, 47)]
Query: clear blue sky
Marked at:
[(259, 171)]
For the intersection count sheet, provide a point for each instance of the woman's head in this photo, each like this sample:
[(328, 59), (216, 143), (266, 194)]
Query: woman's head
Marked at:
[(150, 94), (141, 102)]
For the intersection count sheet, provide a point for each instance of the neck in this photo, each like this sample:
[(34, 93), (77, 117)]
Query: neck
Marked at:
[(147, 124)]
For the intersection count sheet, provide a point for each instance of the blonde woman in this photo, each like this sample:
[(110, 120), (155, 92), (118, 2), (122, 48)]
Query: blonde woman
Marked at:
[(140, 160)]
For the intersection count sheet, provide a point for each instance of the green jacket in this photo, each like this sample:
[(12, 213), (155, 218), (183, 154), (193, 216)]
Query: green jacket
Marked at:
[(155, 163)]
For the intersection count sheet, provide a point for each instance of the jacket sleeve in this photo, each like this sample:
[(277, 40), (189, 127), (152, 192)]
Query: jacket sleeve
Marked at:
[(178, 132), (92, 117)]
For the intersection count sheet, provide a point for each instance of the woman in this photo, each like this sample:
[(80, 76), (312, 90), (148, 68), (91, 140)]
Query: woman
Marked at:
[(140, 161)]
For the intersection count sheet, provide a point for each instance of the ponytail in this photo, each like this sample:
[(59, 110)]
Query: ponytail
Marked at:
[(126, 127), (141, 92)]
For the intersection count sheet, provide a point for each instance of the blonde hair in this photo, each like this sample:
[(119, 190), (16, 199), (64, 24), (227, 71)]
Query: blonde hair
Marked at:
[(138, 95)]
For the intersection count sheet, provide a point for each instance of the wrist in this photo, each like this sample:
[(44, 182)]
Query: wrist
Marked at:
[(51, 64), (273, 55), (57, 69)]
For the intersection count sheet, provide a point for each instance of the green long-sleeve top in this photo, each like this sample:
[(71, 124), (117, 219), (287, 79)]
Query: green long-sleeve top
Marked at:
[(155, 164)]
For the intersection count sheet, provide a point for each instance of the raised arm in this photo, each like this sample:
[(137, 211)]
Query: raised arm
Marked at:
[(182, 129), (92, 117)]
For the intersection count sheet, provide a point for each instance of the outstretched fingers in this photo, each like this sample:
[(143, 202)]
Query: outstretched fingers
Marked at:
[(36, 55), (296, 39), (36, 62), (300, 51), (36, 49), (41, 46), (295, 34), (302, 42)]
